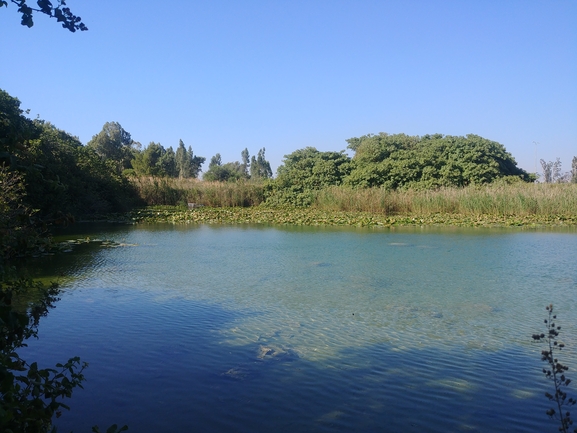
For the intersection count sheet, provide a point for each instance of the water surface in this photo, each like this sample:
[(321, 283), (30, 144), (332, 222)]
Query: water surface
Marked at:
[(253, 329)]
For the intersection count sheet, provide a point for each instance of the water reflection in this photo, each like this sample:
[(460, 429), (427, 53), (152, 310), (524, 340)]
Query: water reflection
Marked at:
[(253, 329)]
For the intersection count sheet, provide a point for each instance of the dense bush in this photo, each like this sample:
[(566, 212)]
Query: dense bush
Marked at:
[(394, 162), (430, 161), (305, 171), (60, 175)]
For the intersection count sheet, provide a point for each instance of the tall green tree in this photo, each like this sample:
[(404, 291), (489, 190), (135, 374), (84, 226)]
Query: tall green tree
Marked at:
[(245, 162), (61, 13), (187, 164), (16, 130), (215, 161), (168, 163), (148, 161), (115, 144), (195, 163), (259, 166), (574, 170)]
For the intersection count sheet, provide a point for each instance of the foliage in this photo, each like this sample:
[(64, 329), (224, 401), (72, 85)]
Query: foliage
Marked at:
[(431, 161), (228, 172), (114, 144), (64, 177), (259, 166), (148, 162), (245, 162), (61, 13), (187, 164), (60, 175), (304, 171), (500, 203), (18, 233), (217, 172), (574, 170), (556, 373), (16, 130), (394, 162), (155, 160)]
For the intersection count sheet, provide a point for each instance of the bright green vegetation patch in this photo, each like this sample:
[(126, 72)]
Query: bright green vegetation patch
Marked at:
[(315, 217)]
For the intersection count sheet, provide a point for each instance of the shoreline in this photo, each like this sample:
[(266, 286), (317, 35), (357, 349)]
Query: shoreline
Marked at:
[(315, 217)]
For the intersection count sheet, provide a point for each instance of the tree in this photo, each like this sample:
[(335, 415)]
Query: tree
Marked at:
[(557, 176), (219, 172), (61, 13), (187, 164), (115, 144), (259, 166), (215, 161), (552, 172), (168, 163), (60, 176), (148, 162), (245, 161), (195, 163), (547, 171), (574, 170)]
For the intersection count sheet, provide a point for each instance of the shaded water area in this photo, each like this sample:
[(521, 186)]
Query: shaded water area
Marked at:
[(254, 329)]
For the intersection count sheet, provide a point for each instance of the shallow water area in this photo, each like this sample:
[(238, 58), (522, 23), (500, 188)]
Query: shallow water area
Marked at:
[(249, 329)]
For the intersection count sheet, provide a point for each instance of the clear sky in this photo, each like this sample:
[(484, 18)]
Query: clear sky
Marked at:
[(286, 74)]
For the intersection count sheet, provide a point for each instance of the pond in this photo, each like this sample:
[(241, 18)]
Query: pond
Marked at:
[(256, 328)]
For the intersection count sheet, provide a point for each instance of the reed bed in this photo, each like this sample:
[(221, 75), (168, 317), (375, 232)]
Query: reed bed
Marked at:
[(178, 192), (497, 200), (519, 199)]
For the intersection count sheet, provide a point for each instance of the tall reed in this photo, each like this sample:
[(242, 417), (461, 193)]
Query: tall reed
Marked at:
[(521, 199), (167, 191), (498, 199)]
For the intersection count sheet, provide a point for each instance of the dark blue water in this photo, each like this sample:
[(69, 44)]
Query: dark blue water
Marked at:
[(247, 329)]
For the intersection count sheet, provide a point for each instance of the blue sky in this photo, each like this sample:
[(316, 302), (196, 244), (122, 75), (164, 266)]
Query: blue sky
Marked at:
[(225, 75)]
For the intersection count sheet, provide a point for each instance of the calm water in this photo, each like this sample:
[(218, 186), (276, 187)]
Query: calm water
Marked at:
[(260, 329)]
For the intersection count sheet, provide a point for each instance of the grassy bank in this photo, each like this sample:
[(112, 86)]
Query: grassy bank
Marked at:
[(518, 203)]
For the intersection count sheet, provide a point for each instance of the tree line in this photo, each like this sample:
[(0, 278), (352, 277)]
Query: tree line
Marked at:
[(115, 144), (60, 176), (552, 172)]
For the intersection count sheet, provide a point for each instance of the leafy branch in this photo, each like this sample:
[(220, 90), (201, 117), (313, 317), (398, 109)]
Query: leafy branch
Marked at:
[(61, 13)]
